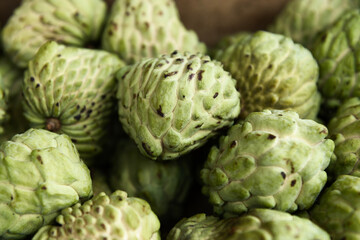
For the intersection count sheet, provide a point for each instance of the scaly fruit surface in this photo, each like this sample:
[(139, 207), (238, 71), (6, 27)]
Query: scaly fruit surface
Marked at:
[(344, 128), (71, 90), (272, 72), (164, 185), (337, 51), (258, 224), (40, 174), (338, 209), (105, 217), (139, 29), (272, 159), (173, 104), (70, 22), (302, 20)]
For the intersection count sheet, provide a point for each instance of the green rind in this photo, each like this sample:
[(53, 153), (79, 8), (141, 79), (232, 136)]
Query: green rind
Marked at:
[(272, 159), (75, 86), (173, 104), (33, 23), (105, 217), (139, 29), (272, 72)]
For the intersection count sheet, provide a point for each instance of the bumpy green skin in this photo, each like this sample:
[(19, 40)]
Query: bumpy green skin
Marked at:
[(273, 73), (337, 51), (258, 224), (173, 104), (229, 40), (273, 159), (71, 90), (139, 29), (105, 217), (302, 20), (70, 22), (164, 185), (40, 174), (344, 128), (338, 209)]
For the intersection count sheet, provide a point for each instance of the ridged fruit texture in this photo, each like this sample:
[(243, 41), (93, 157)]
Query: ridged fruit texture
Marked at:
[(272, 72), (338, 209), (344, 128), (139, 29), (337, 52), (273, 159), (258, 224), (33, 23), (164, 185), (105, 217), (302, 20), (173, 104), (40, 174), (71, 90)]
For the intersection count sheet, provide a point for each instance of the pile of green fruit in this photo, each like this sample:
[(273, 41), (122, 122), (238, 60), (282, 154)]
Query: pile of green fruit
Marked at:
[(119, 123)]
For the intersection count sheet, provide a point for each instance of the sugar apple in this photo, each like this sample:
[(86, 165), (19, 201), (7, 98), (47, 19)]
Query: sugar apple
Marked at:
[(71, 90), (273, 73), (70, 22), (105, 217), (41, 173), (164, 185), (147, 28), (302, 20), (258, 224), (338, 209), (173, 104), (337, 50), (272, 159), (344, 129)]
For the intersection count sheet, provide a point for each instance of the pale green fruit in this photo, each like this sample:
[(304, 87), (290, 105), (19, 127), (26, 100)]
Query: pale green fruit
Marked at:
[(139, 29), (165, 185), (41, 173), (272, 159), (258, 224), (105, 217), (337, 51), (173, 104), (302, 20), (344, 128), (70, 22), (229, 40), (272, 72), (71, 90), (338, 209)]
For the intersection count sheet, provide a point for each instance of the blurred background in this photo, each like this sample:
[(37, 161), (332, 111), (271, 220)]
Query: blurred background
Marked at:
[(211, 19)]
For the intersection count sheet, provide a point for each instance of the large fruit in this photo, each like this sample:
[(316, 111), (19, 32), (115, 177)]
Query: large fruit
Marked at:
[(70, 22), (337, 51), (139, 29), (302, 20), (272, 72), (272, 159), (71, 90), (258, 224), (164, 185), (40, 174), (338, 209), (173, 104), (105, 217)]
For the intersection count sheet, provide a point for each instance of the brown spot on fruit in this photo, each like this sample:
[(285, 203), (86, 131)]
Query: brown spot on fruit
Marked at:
[(53, 124)]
